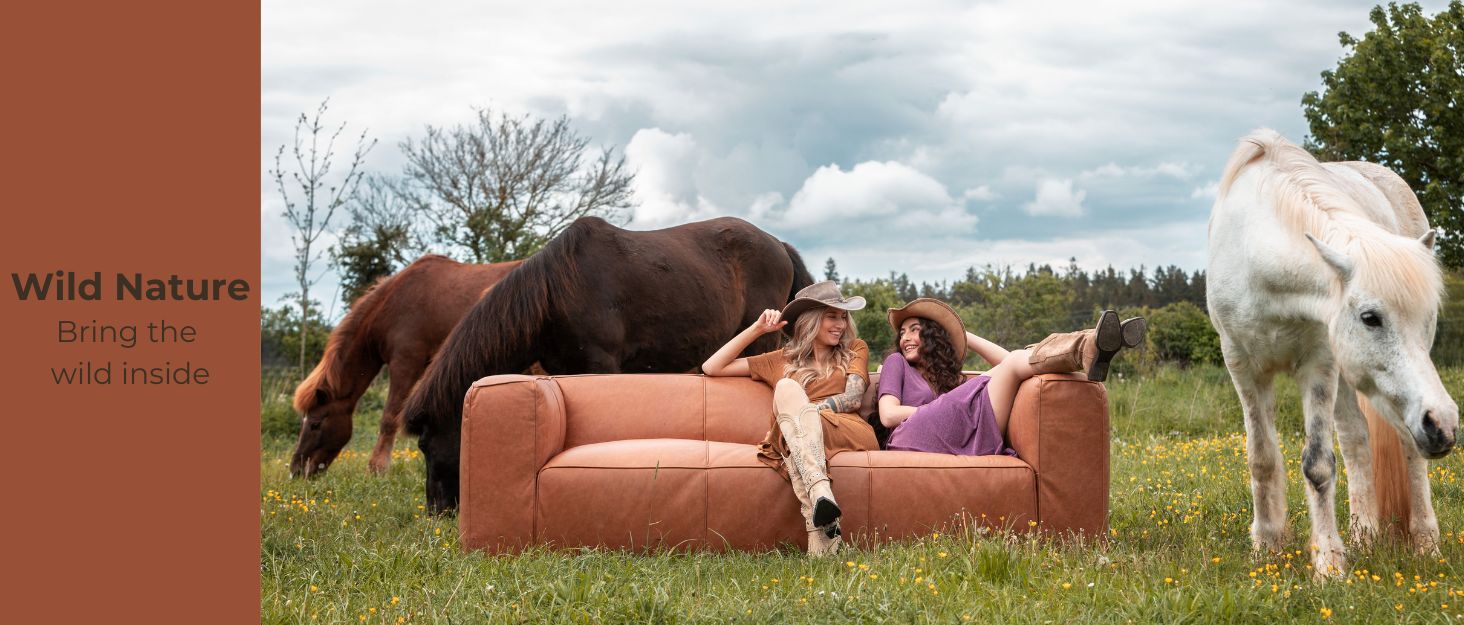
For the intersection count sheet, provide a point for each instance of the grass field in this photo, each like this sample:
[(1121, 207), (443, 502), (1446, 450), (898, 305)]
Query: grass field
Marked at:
[(350, 548)]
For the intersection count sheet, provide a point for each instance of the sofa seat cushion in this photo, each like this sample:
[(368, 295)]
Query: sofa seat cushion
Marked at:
[(682, 494), (707, 495), (888, 495)]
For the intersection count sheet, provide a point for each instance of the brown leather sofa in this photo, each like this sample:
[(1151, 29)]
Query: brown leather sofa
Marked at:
[(626, 461)]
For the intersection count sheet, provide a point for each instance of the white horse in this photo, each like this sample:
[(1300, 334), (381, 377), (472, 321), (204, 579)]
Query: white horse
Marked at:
[(1327, 271)]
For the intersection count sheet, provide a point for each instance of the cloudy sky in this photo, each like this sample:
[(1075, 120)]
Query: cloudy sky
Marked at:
[(923, 140)]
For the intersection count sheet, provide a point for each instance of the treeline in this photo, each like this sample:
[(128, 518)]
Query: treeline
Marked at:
[(1014, 307)]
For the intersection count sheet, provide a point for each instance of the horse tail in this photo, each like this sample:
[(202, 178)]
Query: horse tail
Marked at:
[(1390, 472), (328, 375), (801, 278), (498, 331)]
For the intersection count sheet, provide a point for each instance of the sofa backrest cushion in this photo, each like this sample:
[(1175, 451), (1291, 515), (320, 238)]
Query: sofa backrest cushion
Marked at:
[(603, 408)]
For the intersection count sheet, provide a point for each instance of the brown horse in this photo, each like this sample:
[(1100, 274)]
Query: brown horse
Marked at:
[(598, 299), (399, 323)]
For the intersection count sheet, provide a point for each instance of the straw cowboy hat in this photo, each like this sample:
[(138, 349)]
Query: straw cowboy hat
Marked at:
[(937, 311), (825, 293)]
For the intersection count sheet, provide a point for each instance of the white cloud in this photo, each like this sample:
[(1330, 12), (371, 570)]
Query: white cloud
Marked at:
[(1209, 190), (1056, 197), (1181, 171), (982, 193), (897, 194), (665, 179)]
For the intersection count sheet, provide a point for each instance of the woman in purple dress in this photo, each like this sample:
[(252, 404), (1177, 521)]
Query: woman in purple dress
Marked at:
[(931, 407)]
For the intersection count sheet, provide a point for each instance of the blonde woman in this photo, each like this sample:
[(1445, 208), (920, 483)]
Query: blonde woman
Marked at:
[(818, 380)]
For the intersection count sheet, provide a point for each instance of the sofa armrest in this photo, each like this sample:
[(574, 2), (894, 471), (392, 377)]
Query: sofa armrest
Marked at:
[(1059, 426), (512, 426)]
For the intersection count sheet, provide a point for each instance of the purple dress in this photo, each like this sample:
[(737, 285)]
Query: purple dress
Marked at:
[(960, 422)]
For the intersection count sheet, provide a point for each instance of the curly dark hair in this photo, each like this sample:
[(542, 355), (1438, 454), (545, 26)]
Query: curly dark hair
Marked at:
[(939, 363)]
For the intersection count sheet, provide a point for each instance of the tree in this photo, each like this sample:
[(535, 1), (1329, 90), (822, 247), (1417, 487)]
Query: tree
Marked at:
[(831, 270), (874, 326), (499, 189), (317, 202), (1398, 100), (1013, 310), (379, 240)]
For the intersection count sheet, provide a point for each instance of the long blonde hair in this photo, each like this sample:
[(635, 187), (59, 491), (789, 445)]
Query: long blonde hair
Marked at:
[(802, 354)]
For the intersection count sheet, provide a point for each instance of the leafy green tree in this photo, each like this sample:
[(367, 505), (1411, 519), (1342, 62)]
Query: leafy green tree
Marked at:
[(874, 327), (1398, 100), (379, 240), (1181, 332), (1013, 310), (280, 336)]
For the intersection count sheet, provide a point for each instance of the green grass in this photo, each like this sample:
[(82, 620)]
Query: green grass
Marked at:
[(350, 548)]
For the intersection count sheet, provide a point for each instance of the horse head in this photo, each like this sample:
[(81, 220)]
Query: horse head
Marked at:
[(325, 428), (1382, 330)]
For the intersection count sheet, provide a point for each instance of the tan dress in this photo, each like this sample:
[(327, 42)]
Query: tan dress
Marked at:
[(842, 431)]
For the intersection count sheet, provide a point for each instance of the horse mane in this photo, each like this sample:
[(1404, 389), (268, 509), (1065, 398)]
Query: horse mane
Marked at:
[(501, 325), (1308, 198), (327, 375)]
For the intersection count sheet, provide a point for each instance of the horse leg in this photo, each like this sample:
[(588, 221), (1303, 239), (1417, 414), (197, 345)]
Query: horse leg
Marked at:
[(1422, 524), (1362, 503), (404, 375), (1318, 381), (1263, 455)]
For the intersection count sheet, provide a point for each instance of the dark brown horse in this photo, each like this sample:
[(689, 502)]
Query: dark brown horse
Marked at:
[(598, 299), (399, 323)]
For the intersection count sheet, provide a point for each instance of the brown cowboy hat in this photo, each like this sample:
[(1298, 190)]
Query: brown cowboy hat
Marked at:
[(825, 293), (937, 311)]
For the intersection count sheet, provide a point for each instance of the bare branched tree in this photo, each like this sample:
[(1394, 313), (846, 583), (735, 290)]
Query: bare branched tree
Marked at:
[(500, 188), (381, 238), (310, 212)]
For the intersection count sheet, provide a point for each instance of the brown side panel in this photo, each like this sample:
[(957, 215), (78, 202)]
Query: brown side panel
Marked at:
[(499, 462), (1064, 429), (623, 508)]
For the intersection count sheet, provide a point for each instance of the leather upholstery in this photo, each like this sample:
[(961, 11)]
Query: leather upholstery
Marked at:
[(630, 461)]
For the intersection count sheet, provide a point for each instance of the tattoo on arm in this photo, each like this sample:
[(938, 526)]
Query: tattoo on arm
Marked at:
[(848, 401)]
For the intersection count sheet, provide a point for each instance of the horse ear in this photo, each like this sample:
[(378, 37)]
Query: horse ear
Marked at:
[(1335, 258), (321, 397), (1428, 239)]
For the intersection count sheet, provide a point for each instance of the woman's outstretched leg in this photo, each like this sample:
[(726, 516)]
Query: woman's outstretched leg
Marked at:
[(1006, 378)]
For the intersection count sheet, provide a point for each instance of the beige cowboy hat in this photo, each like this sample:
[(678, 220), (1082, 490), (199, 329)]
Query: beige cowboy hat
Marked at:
[(825, 293), (937, 311)]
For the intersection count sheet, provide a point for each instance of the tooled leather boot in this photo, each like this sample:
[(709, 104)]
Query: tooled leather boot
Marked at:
[(821, 541), (803, 434), (1087, 350)]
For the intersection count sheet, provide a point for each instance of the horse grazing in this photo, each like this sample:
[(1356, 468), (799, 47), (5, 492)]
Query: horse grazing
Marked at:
[(399, 322), (599, 299), (1326, 270)]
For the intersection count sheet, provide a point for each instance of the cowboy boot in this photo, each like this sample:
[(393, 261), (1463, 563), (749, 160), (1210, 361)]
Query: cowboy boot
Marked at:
[(803, 433), (1134, 329), (821, 542), (1087, 350)]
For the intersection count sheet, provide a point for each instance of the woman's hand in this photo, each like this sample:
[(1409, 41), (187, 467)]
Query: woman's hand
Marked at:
[(770, 321), (725, 362)]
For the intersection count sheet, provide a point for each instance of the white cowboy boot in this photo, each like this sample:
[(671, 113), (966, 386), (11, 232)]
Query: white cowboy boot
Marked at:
[(803, 434), (820, 542)]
